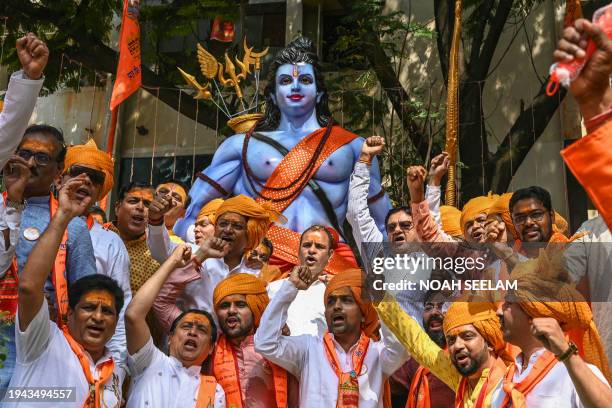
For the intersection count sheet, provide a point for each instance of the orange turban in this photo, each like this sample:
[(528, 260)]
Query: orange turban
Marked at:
[(477, 205), (501, 207), (259, 215), (561, 224), (542, 292), (244, 284), (209, 210), (480, 313), (88, 155), (450, 217), (354, 279)]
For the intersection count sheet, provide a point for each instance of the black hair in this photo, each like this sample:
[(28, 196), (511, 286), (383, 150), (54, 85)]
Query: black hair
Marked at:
[(89, 283), (97, 210), (213, 326), (299, 50), (534, 192), (268, 244), (183, 186), (49, 130), (318, 227), (132, 186), (392, 211)]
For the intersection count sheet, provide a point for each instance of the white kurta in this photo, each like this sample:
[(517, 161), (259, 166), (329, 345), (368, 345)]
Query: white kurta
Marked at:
[(160, 381), (304, 357), (45, 359), (555, 390), (112, 260), (306, 314)]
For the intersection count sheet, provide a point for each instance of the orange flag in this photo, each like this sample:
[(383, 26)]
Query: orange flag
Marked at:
[(129, 77)]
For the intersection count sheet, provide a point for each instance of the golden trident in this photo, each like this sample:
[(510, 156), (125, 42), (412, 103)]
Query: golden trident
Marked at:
[(226, 75)]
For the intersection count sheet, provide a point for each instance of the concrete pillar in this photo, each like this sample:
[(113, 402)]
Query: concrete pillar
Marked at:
[(293, 20)]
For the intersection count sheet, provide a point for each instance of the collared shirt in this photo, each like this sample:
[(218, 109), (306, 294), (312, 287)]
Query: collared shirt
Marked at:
[(306, 314), (161, 381), (425, 351), (45, 359), (304, 357), (370, 240), (112, 260), (255, 376), (556, 389), (191, 288), (142, 264)]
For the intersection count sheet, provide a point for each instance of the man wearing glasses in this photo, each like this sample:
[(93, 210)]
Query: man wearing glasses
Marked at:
[(111, 256)]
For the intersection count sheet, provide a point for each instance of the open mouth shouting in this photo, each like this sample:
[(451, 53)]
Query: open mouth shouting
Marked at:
[(138, 219), (83, 192), (435, 323), (190, 345), (338, 319), (94, 330), (232, 322), (462, 359), (311, 260)]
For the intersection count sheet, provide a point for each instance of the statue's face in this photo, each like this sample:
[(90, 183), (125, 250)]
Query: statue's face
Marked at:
[(296, 90)]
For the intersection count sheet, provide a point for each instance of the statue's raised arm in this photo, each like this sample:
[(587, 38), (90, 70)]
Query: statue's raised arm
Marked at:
[(295, 157)]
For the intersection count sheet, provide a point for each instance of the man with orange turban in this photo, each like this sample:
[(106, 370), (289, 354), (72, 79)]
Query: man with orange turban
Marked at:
[(249, 380), (347, 367), (534, 318), (240, 225), (112, 258), (476, 359)]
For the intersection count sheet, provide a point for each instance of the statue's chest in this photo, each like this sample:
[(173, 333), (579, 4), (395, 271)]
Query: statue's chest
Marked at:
[(263, 159)]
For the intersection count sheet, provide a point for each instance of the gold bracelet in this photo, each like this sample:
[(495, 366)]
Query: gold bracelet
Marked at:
[(571, 350)]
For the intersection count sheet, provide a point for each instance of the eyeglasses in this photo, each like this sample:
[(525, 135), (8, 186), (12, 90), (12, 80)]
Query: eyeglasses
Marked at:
[(429, 307), (535, 216), (233, 225), (41, 159), (96, 176)]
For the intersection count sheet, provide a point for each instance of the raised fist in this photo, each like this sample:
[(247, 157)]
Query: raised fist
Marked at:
[(33, 55)]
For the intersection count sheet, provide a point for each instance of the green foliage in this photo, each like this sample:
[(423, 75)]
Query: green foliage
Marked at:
[(3, 340)]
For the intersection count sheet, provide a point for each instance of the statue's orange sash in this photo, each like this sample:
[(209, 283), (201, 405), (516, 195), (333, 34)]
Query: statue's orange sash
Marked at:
[(293, 172)]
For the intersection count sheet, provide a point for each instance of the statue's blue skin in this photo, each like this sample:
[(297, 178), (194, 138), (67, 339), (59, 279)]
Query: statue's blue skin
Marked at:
[(296, 98)]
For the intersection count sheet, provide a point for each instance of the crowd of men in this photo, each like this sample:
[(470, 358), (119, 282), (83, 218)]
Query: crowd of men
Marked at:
[(127, 313)]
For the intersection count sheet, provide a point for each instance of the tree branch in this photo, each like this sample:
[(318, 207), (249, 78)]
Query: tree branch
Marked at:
[(526, 130), (490, 43)]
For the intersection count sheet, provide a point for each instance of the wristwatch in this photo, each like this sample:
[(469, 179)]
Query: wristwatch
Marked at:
[(19, 206), (571, 350)]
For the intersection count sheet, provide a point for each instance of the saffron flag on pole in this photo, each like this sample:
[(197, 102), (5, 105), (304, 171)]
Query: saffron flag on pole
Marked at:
[(129, 77)]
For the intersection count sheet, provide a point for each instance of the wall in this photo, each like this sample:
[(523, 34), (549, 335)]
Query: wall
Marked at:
[(514, 82)]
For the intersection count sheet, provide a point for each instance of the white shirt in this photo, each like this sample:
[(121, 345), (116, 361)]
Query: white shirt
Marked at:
[(555, 390), (160, 244), (162, 381), (10, 219), (199, 294), (112, 260), (306, 314), (19, 102), (371, 242), (591, 256), (304, 357), (45, 359)]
